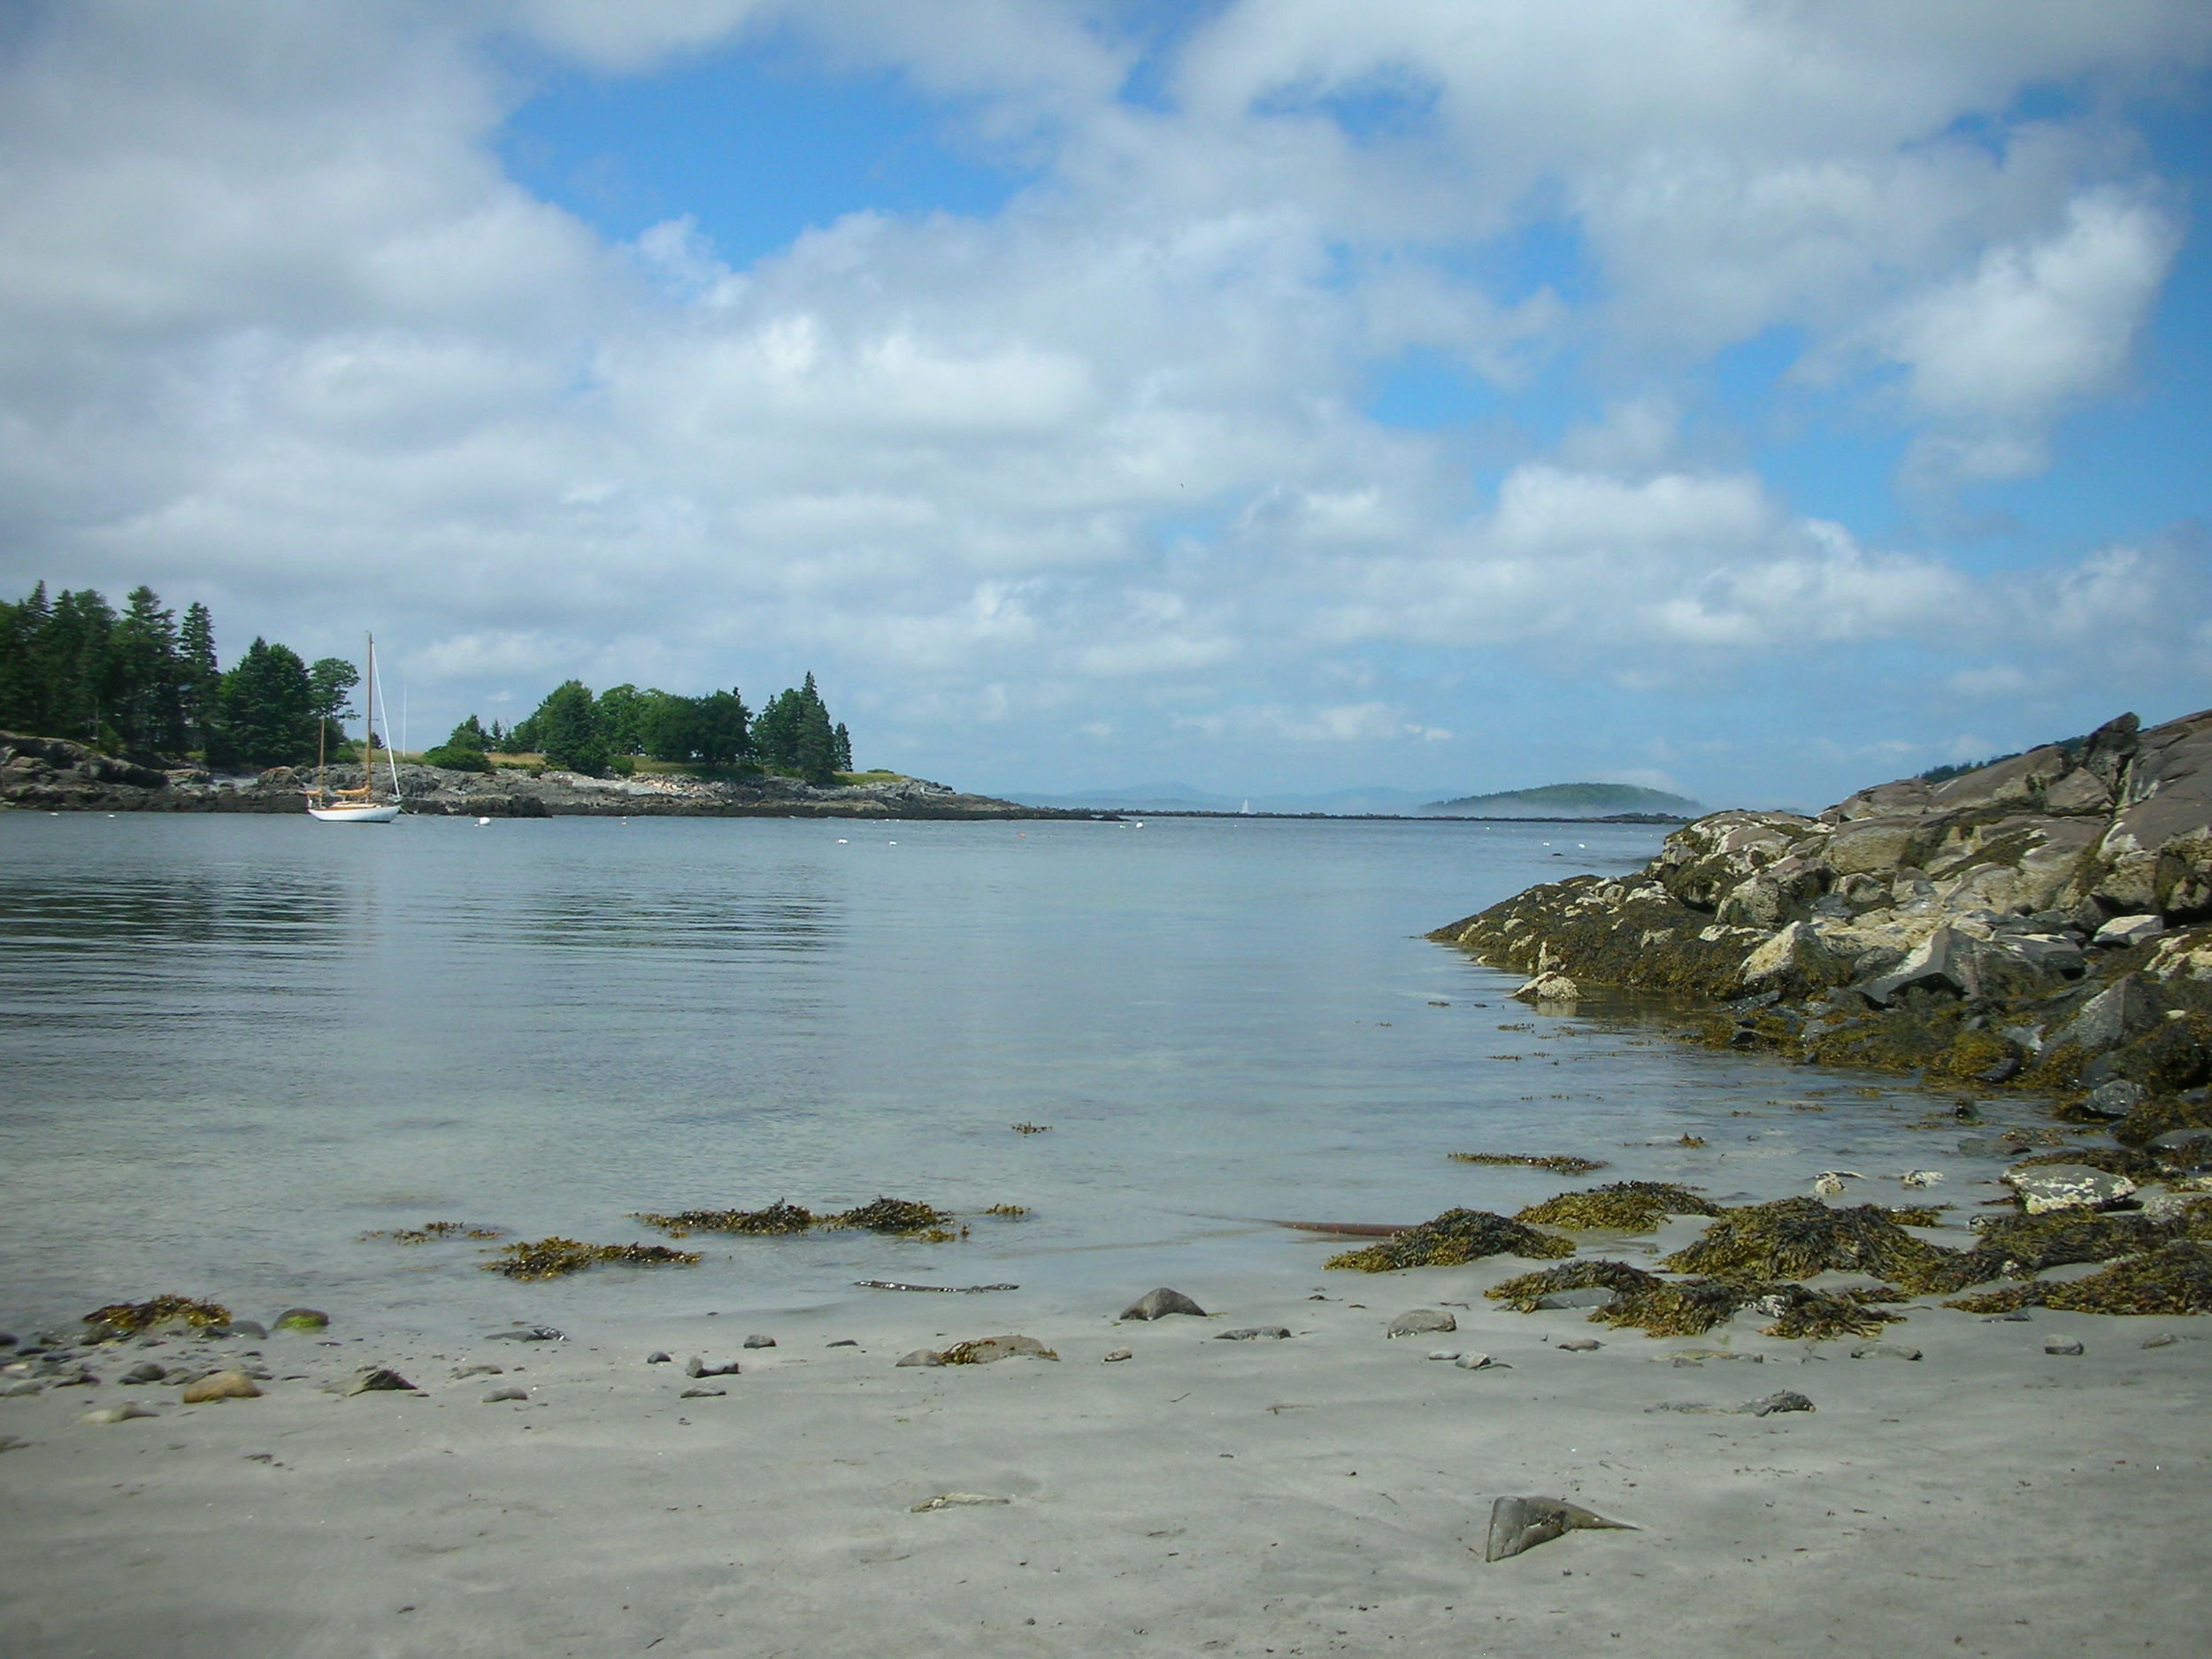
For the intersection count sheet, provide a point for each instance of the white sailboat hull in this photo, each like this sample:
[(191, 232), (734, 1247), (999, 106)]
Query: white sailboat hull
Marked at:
[(364, 814)]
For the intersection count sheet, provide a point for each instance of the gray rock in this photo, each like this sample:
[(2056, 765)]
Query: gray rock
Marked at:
[(2044, 1187), (252, 1328), (528, 1334), (697, 1367), (2061, 1345), (1420, 1322), (985, 1350), (1479, 1362), (23, 1387), (842, 1341), (1938, 963), (1157, 1304), (1116, 1356), (1783, 1400), (144, 1371), (1255, 1332), (123, 1413), (1580, 1345), (704, 1393), (1444, 1353), (2122, 1011), (2169, 1206), (1521, 1524), (1992, 1147), (760, 1341), (660, 1356), (461, 1373), (2114, 1100), (499, 1395), (922, 1356), (1885, 1350), (2122, 931), (2018, 1315)]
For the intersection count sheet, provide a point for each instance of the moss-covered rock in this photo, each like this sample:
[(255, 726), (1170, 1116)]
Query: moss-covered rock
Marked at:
[(131, 1318)]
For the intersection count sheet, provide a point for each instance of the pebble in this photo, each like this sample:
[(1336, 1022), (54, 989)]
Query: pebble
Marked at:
[(922, 1356), (842, 1341), (1480, 1361), (760, 1341), (1253, 1332), (23, 1386), (222, 1385), (696, 1367), (479, 1369), (954, 1500), (528, 1334), (1116, 1356), (1885, 1350), (660, 1356), (123, 1413), (1784, 1400), (499, 1394), (702, 1394), (1443, 1352), (1421, 1321), (2061, 1345), (251, 1328), (1588, 1296), (1157, 1304), (2018, 1315), (1580, 1345), (145, 1372)]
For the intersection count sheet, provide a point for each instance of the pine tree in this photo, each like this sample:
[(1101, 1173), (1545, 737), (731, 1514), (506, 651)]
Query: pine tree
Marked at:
[(568, 728), (268, 710), (199, 680), (145, 674)]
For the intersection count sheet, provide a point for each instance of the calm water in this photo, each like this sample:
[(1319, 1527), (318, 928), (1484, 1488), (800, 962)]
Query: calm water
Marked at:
[(230, 1047)]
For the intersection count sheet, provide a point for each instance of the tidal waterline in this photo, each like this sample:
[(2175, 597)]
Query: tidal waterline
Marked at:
[(233, 1045)]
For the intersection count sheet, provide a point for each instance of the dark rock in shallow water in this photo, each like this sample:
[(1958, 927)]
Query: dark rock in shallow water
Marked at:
[(1157, 1304)]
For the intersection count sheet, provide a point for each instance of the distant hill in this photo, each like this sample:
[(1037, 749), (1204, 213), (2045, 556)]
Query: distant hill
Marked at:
[(1567, 800)]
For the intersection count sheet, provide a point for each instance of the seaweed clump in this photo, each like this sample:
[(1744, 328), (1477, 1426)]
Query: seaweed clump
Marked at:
[(1807, 1315), (1695, 1306), (1012, 1212), (436, 1233), (131, 1318), (1558, 1162), (1690, 1308), (777, 1217), (2017, 1245), (1523, 1294), (1622, 1206), (2174, 1278), (1794, 1238), (556, 1257), (1454, 1237), (1917, 1215), (894, 1215)]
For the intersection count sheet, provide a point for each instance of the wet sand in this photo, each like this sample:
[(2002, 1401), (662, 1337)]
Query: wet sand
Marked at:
[(1325, 1494)]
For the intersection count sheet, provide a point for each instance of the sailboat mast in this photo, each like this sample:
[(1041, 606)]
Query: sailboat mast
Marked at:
[(368, 723)]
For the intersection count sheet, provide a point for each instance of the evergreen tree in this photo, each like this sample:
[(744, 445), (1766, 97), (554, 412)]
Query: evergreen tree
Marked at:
[(568, 728), (199, 681), (844, 759), (268, 710), (623, 711), (144, 674)]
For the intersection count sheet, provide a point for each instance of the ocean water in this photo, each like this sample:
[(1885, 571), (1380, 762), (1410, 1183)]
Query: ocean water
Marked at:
[(231, 1047)]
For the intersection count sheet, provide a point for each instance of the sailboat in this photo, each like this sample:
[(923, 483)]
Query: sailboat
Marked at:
[(357, 806)]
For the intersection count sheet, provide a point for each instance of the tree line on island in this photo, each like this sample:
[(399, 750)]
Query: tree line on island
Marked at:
[(147, 683)]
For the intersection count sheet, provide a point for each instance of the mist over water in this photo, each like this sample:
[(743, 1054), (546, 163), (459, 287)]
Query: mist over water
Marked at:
[(232, 1045)]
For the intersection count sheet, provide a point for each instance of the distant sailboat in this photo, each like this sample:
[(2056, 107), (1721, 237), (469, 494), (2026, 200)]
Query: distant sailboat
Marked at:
[(1246, 810), (357, 806)]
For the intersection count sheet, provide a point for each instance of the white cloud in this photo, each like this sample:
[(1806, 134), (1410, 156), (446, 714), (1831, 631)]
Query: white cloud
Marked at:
[(276, 329)]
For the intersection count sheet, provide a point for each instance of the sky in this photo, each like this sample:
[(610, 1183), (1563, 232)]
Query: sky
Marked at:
[(1751, 399)]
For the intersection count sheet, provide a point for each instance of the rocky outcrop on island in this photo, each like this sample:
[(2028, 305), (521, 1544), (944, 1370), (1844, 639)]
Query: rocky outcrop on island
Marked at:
[(2043, 922), (55, 775)]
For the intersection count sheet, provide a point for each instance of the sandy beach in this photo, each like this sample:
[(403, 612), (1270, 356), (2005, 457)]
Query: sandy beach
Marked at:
[(1326, 1492)]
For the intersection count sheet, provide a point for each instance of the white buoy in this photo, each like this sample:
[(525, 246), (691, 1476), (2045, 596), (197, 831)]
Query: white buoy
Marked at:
[(841, 842), (482, 822)]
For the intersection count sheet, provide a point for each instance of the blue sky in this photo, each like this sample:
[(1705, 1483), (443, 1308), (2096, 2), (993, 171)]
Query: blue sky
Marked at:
[(1270, 394)]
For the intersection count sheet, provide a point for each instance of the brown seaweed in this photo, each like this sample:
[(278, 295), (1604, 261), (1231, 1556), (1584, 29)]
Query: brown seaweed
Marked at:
[(1795, 1238), (2175, 1279), (1521, 1294), (134, 1316), (1557, 1163), (436, 1233), (554, 1257), (778, 1218), (1621, 1207), (1454, 1237)]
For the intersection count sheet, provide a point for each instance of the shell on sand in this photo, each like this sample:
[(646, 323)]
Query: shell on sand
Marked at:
[(1519, 1524)]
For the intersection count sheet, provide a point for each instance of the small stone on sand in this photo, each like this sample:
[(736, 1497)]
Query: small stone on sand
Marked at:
[(954, 1500), (757, 1340), (1255, 1332), (1117, 1356), (1157, 1304), (222, 1385), (1420, 1322), (498, 1395)]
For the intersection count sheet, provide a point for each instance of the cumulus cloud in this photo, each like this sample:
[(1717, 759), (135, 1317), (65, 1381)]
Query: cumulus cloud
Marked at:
[(278, 329)]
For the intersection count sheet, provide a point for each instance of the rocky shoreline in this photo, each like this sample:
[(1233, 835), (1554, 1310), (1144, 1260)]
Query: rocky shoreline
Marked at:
[(55, 775), (2043, 923)]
